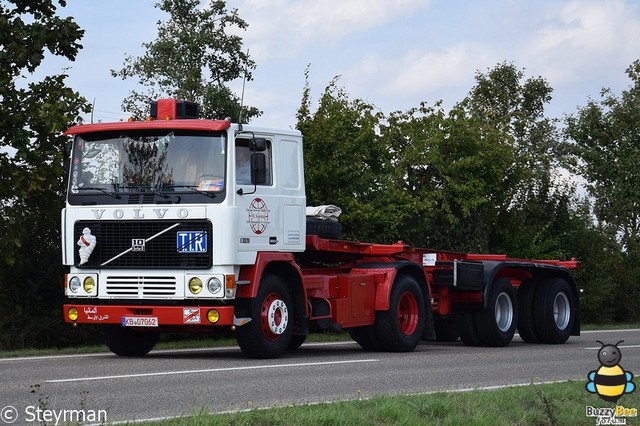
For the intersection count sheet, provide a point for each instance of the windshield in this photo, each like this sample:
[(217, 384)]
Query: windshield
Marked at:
[(136, 162)]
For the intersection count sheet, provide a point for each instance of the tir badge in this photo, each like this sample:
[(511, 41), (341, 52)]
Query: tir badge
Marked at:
[(87, 243)]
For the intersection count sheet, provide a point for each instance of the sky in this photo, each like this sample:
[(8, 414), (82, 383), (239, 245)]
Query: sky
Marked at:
[(393, 54)]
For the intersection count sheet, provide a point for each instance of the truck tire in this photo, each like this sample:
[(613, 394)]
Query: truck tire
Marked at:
[(446, 330), (296, 341), (125, 341), (467, 327), (526, 315), (555, 311), (366, 337), (324, 228), (497, 324), (269, 332), (400, 328)]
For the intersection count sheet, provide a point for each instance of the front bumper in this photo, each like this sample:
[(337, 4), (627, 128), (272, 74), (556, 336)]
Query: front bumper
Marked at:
[(166, 316)]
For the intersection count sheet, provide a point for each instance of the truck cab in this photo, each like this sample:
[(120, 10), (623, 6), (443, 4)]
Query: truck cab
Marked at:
[(169, 209)]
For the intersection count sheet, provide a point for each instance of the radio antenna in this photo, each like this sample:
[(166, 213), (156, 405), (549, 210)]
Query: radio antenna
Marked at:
[(244, 80)]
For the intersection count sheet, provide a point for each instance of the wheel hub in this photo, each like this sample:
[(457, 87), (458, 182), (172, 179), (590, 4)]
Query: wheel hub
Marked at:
[(275, 316), (504, 312)]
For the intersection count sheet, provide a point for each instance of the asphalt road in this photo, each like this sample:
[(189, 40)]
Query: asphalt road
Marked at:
[(174, 383)]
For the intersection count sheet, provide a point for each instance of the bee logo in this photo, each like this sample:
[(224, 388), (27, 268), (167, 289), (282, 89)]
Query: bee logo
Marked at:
[(610, 381)]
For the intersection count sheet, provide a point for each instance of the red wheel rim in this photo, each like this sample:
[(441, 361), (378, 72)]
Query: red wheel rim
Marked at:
[(408, 313), (274, 316)]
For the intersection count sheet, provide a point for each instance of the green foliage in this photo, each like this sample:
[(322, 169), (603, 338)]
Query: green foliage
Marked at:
[(31, 182), (605, 143), (479, 177), (606, 138), (343, 158), (192, 58)]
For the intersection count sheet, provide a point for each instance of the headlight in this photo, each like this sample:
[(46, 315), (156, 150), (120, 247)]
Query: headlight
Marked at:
[(89, 284), (195, 285), (74, 284), (214, 285)]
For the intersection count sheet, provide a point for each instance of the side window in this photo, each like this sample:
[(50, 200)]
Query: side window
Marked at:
[(244, 162)]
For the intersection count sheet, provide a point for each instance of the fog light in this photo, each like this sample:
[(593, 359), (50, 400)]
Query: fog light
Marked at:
[(72, 314), (89, 284), (195, 285), (74, 284), (213, 316), (214, 285)]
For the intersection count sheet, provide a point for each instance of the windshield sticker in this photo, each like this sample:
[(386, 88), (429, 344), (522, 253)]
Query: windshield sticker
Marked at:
[(211, 185)]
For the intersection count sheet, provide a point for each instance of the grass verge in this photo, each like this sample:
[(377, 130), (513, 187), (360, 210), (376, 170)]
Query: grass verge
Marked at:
[(545, 404)]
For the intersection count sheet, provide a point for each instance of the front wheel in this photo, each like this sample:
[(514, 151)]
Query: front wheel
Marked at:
[(400, 328), (269, 332), (125, 341)]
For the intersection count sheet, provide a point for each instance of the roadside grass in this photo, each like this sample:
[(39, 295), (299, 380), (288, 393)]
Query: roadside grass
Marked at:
[(561, 403), (175, 341)]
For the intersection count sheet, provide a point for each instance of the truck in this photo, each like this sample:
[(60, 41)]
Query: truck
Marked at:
[(182, 224)]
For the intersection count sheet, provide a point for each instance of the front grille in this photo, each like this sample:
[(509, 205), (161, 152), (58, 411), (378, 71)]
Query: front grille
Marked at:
[(135, 287), (115, 246)]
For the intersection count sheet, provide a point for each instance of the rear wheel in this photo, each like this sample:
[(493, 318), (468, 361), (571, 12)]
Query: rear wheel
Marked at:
[(467, 327), (555, 311), (129, 342), (446, 330), (269, 332), (366, 338), (400, 328), (526, 316), (497, 323)]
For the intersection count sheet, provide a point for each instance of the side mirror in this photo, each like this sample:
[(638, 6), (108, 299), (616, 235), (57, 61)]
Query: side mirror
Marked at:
[(258, 169), (258, 145)]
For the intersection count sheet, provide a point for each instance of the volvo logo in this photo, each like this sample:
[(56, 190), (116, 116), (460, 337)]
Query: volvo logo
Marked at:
[(138, 244)]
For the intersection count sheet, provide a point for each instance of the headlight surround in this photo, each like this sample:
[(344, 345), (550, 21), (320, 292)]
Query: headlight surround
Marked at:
[(195, 285), (74, 284), (214, 285)]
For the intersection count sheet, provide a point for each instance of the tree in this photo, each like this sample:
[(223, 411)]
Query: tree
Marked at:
[(605, 138), (192, 58), (31, 159), (606, 143), (343, 159)]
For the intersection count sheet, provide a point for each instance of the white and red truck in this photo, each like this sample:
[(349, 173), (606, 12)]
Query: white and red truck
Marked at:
[(182, 224)]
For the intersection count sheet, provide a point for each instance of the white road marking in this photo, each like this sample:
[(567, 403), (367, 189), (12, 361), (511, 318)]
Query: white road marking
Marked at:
[(208, 370), (619, 347)]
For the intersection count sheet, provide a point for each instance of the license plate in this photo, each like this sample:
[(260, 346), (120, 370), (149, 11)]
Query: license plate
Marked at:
[(139, 321)]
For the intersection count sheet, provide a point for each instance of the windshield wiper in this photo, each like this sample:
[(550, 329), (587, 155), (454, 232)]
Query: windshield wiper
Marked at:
[(95, 188), (195, 189)]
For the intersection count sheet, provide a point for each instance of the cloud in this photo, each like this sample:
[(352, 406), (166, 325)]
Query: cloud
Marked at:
[(586, 37), (421, 71), (284, 27)]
